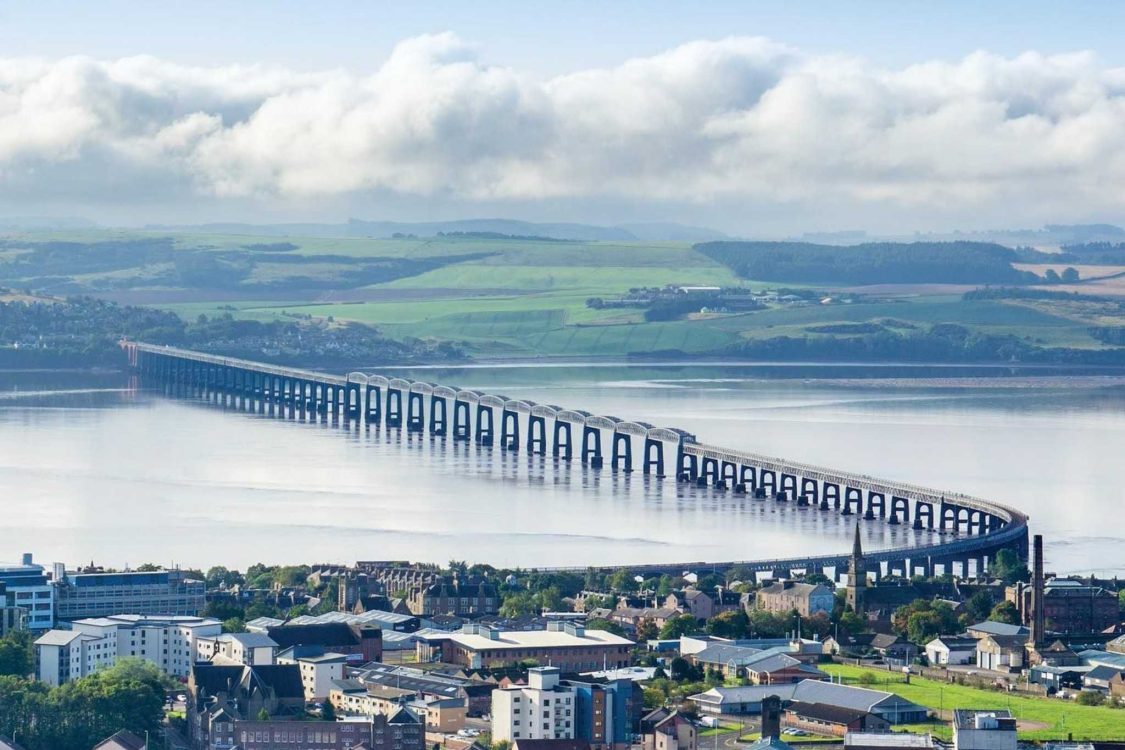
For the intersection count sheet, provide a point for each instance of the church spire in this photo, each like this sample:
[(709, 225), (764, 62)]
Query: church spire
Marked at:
[(857, 548)]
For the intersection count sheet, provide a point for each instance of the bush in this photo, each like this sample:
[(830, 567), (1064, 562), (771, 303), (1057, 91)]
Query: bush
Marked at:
[(1090, 698), (868, 678)]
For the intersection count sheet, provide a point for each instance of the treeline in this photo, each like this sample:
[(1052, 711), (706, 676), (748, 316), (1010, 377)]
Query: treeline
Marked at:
[(1092, 253), (84, 332), (82, 713), (871, 263), (161, 262), (1007, 292), (943, 342)]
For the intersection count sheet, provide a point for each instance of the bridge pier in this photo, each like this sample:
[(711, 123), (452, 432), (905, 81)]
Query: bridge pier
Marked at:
[(852, 496), (767, 482), (438, 415), (831, 492), (687, 466), (461, 420), (353, 407), (592, 446), (374, 404), (415, 412), (654, 457), (561, 447), (484, 424), (394, 407), (875, 501), (621, 452), (509, 430), (787, 487), (709, 471), (747, 476), (537, 434), (810, 489)]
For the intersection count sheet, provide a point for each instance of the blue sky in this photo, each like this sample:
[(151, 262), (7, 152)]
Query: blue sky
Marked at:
[(752, 117)]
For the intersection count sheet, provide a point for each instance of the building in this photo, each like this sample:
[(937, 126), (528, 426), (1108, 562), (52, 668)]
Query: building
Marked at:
[(96, 643), (84, 594), (428, 685), (786, 595), (12, 617), (319, 668), (888, 741), (857, 578), (666, 729), (1099, 678), (820, 718), (244, 648), (1117, 645), (360, 643), (470, 597), (988, 627), (550, 745), (29, 587), (123, 740), (728, 701), (218, 695), (1069, 606), (7, 744), (993, 729), (702, 605), (948, 650), (1002, 653), (606, 710), (403, 731), (566, 645), (544, 709), (770, 666)]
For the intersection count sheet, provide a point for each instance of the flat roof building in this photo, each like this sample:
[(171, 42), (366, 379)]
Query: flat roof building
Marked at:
[(79, 594), (30, 588), (566, 645), (975, 729)]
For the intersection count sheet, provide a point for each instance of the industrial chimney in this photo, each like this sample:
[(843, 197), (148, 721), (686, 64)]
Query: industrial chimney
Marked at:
[(1037, 592)]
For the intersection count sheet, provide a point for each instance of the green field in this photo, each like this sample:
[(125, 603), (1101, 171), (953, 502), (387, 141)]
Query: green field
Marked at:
[(514, 298), (1042, 718)]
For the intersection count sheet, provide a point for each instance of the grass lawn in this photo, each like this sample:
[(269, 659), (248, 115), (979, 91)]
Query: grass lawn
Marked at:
[(1045, 718)]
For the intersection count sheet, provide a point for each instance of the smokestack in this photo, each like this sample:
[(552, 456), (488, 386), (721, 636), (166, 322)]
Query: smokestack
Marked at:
[(771, 717), (1037, 592)]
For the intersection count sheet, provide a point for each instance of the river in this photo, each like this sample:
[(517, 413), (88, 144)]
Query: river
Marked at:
[(92, 469)]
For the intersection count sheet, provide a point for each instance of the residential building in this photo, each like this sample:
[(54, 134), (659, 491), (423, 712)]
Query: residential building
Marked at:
[(244, 648), (566, 645), (361, 643), (543, 709), (702, 605), (820, 718), (30, 589), (123, 740), (667, 729), (97, 643), (428, 685), (1002, 653), (469, 597), (787, 595), (319, 668), (948, 650), (994, 729), (94, 593), (894, 650), (606, 710), (769, 666)]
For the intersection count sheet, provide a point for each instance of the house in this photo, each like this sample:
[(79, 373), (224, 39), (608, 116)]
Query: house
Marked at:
[(819, 718), (1002, 653), (1099, 678), (453, 595), (631, 618), (123, 740), (994, 729), (761, 666), (667, 729), (950, 649), (318, 668), (893, 649), (786, 595), (702, 605)]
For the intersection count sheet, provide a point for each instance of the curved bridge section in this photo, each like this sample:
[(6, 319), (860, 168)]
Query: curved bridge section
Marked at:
[(978, 528)]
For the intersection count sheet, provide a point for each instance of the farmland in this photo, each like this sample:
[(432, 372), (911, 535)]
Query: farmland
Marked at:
[(500, 298)]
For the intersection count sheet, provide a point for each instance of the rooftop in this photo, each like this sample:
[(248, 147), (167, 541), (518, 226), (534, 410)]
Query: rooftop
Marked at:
[(999, 628), (888, 739), (538, 639), (133, 621), (966, 718)]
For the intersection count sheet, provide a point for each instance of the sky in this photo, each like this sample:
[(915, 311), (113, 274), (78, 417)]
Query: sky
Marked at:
[(758, 119)]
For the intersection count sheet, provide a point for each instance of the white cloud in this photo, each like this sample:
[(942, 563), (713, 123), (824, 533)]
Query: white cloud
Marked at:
[(740, 119)]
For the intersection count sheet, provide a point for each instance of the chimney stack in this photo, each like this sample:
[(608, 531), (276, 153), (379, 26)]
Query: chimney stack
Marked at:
[(1037, 592)]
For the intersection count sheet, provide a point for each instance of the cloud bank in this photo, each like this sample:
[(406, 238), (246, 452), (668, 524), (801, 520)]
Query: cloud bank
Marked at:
[(739, 120)]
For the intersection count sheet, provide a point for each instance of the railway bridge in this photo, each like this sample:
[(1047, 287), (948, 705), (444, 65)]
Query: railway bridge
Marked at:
[(975, 528)]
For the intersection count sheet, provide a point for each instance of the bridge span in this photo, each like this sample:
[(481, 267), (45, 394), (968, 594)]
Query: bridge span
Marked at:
[(977, 528)]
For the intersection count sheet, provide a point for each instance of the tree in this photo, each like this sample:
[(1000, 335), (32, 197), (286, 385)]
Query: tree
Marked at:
[(921, 621), (519, 603), (234, 625), (1051, 276), (1005, 612), (647, 630), (664, 587), (681, 669), (599, 623), (1070, 275), (1008, 567), (16, 655), (730, 624), (678, 626), (622, 580), (263, 714), (1121, 601), (978, 606), (328, 711)]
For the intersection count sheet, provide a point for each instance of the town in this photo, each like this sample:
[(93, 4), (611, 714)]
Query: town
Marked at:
[(391, 655)]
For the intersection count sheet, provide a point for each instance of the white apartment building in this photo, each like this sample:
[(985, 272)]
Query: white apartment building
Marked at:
[(251, 649), (98, 642), (318, 670), (541, 710)]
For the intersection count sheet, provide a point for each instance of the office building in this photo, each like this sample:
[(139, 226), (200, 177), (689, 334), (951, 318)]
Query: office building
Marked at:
[(83, 594), (30, 588)]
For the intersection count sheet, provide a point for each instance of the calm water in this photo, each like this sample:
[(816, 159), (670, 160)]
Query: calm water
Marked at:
[(90, 469)]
